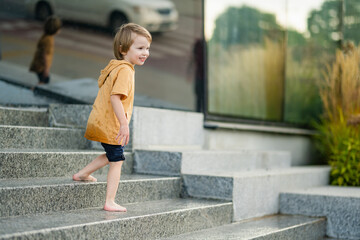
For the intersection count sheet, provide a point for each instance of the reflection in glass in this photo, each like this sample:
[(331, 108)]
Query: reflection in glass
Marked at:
[(351, 22), (266, 58), (311, 46), (84, 45), (246, 54)]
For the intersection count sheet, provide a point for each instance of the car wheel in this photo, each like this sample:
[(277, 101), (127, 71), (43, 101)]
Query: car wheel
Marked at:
[(43, 11), (116, 20)]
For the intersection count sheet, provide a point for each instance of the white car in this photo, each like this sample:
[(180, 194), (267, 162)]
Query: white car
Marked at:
[(154, 15)]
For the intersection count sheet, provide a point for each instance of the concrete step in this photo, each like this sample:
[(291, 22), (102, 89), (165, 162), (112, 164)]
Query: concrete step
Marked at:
[(146, 220), (172, 130), (56, 116), (42, 195), (76, 116), (340, 205), (156, 128), (28, 163), (13, 137), (69, 115), (24, 116), (273, 227), (254, 193), (174, 163)]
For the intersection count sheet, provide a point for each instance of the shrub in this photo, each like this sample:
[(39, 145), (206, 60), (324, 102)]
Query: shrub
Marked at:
[(340, 142), (345, 163), (339, 130)]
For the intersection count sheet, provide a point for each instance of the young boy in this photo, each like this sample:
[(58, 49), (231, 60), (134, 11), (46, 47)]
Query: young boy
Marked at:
[(109, 119), (42, 60)]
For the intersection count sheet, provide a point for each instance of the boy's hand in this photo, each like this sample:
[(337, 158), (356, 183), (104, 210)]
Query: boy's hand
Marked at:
[(123, 136)]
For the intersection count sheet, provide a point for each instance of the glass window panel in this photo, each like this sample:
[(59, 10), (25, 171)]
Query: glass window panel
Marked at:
[(246, 54), (266, 58), (313, 35)]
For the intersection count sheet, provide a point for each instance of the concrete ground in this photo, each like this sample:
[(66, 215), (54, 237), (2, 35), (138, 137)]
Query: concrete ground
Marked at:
[(16, 83)]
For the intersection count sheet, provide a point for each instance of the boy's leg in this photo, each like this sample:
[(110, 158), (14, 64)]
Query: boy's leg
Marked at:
[(43, 79), (97, 163), (112, 187)]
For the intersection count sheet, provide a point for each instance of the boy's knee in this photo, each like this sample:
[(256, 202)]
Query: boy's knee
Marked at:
[(114, 153), (116, 157)]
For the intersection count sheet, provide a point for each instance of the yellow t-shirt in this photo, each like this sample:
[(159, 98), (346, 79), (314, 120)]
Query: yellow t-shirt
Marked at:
[(116, 78), (45, 47)]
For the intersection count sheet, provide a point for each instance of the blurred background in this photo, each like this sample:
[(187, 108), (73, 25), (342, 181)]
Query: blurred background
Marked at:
[(84, 46), (269, 57), (237, 60)]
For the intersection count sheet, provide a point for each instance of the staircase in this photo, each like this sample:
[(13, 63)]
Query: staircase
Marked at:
[(171, 191), (39, 200)]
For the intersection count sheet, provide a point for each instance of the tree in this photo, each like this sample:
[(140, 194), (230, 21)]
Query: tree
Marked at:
[(245, 25), (324, 25), (351, 21), (337, 21)]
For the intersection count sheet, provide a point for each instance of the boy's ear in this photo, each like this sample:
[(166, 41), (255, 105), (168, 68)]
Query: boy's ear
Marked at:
[(123, 53)]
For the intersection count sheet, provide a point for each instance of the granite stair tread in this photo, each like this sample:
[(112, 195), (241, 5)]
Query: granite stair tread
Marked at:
[(208, 185), (340, 205), (56, 181), (49, 150), (254, 193), (175, 163), (30, 116), (40, 127), (26, 163), (210, 151), (270, 227), (25, 109), (265, 172), (155, 215), (20, 197), (330, 191), (42, 137)]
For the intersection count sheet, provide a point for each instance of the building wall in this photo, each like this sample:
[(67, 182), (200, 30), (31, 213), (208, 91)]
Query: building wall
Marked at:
[(300, 146), (161, 129)]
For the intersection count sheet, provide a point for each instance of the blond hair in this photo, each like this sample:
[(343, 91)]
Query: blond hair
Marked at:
[(52, 25), (124, 38)]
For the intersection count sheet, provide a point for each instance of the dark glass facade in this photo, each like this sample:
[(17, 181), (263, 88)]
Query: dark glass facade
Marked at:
[(266, 58)]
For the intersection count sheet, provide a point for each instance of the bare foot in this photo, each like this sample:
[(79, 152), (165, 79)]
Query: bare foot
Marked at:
[(89, 178), (114, 208)]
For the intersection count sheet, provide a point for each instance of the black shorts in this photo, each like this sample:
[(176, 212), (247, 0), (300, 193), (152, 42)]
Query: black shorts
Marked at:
[(42, 78), (114, 153)]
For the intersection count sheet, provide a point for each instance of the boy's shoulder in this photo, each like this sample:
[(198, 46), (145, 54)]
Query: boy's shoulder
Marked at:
[(46, 39), (123, 66)]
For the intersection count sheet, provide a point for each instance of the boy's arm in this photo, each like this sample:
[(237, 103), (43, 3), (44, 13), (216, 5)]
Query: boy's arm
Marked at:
[(46, 64), (47, 56), (123, 135)]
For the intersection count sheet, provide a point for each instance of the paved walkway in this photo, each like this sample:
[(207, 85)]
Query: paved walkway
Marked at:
[(60, 89)]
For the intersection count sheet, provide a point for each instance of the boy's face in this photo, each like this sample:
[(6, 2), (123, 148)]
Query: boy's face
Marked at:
[(138, 51)]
